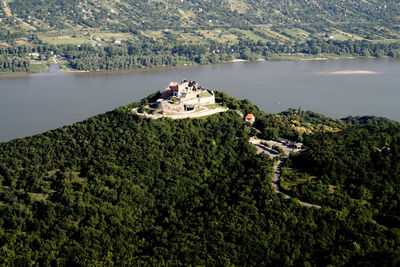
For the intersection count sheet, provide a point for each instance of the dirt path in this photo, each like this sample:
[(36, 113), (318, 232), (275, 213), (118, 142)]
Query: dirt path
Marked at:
[(7, 10), (278, 166), (55, 60)]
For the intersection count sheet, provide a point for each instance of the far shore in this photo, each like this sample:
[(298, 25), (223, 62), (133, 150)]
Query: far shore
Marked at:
[(15, 74), (72, 70), (158, 67), (237, 60)]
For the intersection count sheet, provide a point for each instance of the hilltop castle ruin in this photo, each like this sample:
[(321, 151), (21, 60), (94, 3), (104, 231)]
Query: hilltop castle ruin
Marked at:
[(184, 97)]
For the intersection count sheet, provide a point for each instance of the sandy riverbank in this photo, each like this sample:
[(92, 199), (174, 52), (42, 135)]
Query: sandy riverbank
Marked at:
[(77, 71), (244, 60), (239, 60), (350, 72)]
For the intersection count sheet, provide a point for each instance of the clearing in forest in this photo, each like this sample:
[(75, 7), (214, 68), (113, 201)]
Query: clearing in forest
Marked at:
[(7, 9)]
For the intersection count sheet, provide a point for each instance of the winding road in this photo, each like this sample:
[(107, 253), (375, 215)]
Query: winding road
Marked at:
[(278, 166)]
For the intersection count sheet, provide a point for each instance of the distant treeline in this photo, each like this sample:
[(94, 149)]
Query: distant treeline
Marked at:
[(14, 64), (128, 56), (151, 53)]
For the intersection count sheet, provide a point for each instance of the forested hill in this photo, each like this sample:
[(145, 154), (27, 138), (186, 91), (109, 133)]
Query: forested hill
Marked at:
[(118, 189), (126, 34)]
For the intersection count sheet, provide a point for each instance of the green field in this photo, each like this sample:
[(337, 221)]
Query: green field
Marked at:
[(250, 35), (296, 33), (219, 35), (109, 36), (65, 39), (35, 68)]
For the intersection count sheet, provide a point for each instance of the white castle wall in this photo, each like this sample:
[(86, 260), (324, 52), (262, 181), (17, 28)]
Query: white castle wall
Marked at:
[(199, 101), (189, 99)]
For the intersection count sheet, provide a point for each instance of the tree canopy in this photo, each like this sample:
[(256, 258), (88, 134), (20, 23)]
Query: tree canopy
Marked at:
[(118, 189)]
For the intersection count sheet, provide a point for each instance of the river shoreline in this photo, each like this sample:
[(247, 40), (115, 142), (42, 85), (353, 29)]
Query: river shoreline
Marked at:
[(63, 68), (237, 60)]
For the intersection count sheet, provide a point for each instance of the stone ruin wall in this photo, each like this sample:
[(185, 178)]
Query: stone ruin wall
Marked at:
[(203, 101), (170, 107), (192, 98)]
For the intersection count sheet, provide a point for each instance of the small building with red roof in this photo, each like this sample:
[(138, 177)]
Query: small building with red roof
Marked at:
[(250, 118)]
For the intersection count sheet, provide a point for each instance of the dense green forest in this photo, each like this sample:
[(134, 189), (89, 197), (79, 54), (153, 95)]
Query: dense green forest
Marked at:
[(359, 164), (14, 64), (127, 34), (118, 189)]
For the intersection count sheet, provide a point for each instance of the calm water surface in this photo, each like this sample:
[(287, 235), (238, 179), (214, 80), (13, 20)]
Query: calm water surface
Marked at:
[(39, 102)]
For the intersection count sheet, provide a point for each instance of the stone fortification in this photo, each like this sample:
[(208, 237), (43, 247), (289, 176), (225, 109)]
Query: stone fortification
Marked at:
[(184, 97)]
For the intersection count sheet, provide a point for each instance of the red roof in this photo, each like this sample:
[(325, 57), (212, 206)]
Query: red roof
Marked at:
[(174, 86), (166, 93), (250, 116)]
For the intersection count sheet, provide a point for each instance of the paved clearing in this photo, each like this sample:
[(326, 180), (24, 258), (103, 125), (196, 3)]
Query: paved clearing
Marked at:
[(278, 166)]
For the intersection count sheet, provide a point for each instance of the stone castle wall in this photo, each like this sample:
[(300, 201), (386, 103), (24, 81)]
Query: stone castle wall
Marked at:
[(171, 107), (203, 101), (187, 99)]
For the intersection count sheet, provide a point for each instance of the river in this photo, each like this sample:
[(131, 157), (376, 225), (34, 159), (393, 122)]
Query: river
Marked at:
[(31, 104)]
